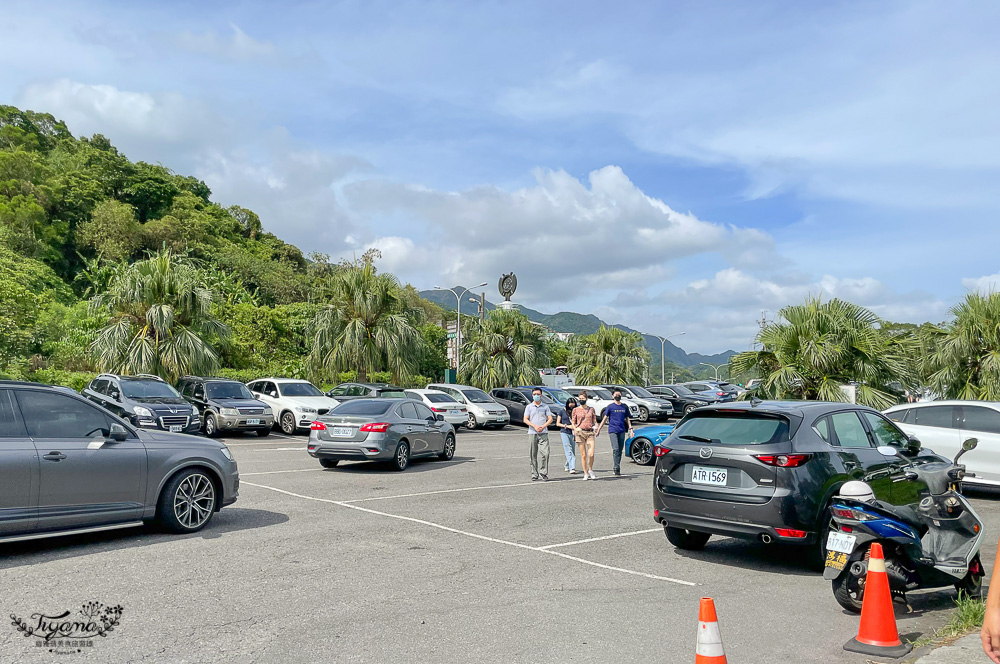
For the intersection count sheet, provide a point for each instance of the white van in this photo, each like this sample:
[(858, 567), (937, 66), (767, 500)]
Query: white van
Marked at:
[(483, 410)]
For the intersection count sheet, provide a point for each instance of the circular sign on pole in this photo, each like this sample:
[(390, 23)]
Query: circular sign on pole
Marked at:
[(507, 285)]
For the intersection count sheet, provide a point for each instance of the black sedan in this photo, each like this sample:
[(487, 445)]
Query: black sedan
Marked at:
[(681, 398)]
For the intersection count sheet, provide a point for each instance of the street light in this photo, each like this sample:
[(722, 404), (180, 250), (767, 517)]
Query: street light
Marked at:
[(458, 327), (716, 367), (663, 364)]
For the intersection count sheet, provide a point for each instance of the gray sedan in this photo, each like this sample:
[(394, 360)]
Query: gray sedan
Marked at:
[(387, 430), (70, 466)]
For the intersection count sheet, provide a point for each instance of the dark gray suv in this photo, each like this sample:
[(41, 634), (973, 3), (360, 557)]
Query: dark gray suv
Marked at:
[(767, 470), (70, 466), (145, 401), (226, 405)]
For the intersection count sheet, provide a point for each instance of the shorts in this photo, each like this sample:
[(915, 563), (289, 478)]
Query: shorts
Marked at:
[(583, 437)]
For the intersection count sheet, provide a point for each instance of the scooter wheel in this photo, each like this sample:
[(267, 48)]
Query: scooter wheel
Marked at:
[(847, 593)]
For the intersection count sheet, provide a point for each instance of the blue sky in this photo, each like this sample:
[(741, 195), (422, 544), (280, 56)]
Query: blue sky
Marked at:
[(674, 166)]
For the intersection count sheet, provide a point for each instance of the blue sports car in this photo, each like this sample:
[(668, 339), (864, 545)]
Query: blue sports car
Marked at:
[(640, 446)]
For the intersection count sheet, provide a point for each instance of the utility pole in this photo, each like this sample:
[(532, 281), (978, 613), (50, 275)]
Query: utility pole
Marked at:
[(663, 364), (715, 367), (458, 327)]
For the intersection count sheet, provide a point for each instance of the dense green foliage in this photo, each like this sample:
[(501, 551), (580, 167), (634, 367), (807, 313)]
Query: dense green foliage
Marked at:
[(963, 357), (506, 350), (610, 355)]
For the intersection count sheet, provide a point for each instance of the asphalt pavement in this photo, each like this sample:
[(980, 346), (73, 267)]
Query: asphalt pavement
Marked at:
[(457, 561)]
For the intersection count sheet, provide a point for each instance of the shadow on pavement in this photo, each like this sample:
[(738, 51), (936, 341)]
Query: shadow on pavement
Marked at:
[(733, 552), (416, 466), (229, 520)]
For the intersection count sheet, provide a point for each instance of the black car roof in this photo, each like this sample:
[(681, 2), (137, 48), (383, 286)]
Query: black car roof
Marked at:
[(799, 408), (22, 383)]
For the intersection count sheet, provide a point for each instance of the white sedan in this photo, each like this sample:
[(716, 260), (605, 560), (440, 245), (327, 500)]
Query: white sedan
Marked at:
[(943, 426), (455, 414)]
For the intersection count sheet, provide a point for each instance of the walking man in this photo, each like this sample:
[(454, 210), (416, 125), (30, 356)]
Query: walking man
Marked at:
[(538, 417), (617, 419)]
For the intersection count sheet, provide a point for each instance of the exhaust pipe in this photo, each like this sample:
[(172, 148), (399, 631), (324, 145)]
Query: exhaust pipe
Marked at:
[(765, 538)]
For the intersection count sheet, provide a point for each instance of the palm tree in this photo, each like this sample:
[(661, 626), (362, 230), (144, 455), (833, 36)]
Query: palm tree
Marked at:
[(819, 347), (367, 326), (160, 320), (964, 361), (504, 351), (609, 355)]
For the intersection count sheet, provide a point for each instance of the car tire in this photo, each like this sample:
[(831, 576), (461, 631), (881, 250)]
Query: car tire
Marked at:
[(401, 457), (187, 502), (842, 592), (817, 552), (643, 414), (329, 463), (449, 448), (689, 540), (288, 424), (642, 451), (211, 426), (688, 408), (263, 432), (472, 424)]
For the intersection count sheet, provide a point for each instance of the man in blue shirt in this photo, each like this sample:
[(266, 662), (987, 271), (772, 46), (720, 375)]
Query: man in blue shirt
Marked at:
[(617, 419), (538, 417)]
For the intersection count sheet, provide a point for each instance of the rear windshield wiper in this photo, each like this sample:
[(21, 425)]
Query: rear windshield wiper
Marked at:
[(697, 439)]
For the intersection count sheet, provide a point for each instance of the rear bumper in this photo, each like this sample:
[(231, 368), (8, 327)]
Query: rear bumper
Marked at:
[(742, 530)]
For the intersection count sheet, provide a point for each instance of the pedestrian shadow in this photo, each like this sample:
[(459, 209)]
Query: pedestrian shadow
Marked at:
[(228, 520)]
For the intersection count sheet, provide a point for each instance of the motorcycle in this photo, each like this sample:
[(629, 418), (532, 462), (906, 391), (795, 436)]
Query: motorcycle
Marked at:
[(934, 544)]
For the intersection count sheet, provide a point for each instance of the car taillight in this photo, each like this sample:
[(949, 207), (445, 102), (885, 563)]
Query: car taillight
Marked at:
[(317, 426), (464, 410), (439, 410), (720, 394), (790, 532), (376, 427), (659, 450), (783, 460)]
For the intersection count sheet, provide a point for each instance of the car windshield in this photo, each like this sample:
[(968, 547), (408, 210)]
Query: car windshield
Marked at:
[(362, 407), (393, 394), (562, 396), (601, 394), (227, 390), (681, 391), (640, 392), (147, 389), (477, 396), (733, 428), (438, 398), (299, 390)]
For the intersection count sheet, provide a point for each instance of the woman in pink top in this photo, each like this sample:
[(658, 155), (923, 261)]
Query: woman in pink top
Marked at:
[(584, 421)]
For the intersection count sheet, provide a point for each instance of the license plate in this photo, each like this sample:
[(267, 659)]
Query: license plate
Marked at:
[(253, 421), (343, 431), (176, 428), (836, 560), (707, 475), (841, 542)]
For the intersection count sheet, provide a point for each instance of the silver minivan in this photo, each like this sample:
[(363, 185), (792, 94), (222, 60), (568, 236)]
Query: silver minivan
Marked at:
[(483, 410)]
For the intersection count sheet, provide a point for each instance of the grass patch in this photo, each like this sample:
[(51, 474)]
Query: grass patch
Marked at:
[(965, 619)]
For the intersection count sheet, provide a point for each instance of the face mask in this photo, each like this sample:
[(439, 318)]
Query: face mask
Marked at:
[(537, 398), (583, 402), (618, 397)]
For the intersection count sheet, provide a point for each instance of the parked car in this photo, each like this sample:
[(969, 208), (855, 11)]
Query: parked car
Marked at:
[(454, 413), (348, 391), (600, 398), (641, 446), (681, 398), (70, 467), (145, 401), (484, 411), (393, 431), (516, 399), (767, 470), (944, 425), (226, 405), (651, 407), (295, 403), (558, 394), (709, 389)]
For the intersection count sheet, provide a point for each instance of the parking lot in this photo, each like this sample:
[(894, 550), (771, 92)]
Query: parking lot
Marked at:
[(466, 560)]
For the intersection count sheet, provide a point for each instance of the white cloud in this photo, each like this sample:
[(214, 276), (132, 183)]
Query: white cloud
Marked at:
[(237, 46), (986, 284)]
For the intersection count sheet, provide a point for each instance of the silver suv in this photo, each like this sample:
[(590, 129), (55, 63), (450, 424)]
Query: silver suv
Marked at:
[(70, 466), (484, 411), (651, 407)]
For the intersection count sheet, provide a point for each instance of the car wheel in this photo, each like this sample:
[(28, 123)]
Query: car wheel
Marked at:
[(472, 423), (643, 414), (642, 451), (187, 502), (449, 449), (817, 553), (689, 408), (690, 540), (211, 427), (288, 423), (847, 592), (401, 458), (329, 463), (263, 432)]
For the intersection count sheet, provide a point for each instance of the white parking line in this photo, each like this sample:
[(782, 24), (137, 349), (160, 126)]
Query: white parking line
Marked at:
[(494, 540), (431, 493), (599, 539), (276, 472), (283, 449)]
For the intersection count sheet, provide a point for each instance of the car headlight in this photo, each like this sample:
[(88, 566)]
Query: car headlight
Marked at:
[(142, 411), (226, 453), (701, 403), (300, 409), (268, 411), (229, 412), (194, 411)]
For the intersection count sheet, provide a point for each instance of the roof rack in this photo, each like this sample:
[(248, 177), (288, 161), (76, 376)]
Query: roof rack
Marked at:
[(144, 375)]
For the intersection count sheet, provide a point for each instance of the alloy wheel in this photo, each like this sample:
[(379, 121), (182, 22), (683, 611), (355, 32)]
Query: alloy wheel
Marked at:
[(209, 426), (643, 414), (194, 501), (288, 423), (449, 447), (642, 451), (472, 421)]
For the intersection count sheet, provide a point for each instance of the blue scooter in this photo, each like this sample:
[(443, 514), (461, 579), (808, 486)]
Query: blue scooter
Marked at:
[(934, 544)]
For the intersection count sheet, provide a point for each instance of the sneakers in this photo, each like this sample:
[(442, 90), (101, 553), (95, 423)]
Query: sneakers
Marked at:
[(545, 478), (586, 476), (592, 475), (534, 479), (618, 471), (572, 471)]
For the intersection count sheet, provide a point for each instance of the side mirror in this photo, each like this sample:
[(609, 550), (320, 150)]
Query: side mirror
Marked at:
[(970, 444), (887, 450), (115, 394), (439, 418), (273, 395), (117, 433), (913, 444)]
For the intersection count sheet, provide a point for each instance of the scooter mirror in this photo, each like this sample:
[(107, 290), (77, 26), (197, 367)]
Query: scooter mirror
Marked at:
[(886, 450), (970, 444)]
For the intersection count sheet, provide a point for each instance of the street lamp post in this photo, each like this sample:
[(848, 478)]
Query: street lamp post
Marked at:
[(458, 327), (715, 367), (663, 364)]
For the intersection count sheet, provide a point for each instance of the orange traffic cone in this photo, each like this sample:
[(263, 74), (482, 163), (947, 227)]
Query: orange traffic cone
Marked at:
[(709, 649), (877, 633)]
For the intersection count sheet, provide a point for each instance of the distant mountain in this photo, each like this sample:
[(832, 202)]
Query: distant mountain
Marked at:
[(568, 321)]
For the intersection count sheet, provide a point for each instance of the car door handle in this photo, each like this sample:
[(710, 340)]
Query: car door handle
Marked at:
[(54, 456)]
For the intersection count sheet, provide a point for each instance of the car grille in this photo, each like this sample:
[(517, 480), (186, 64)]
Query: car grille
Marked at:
[(251, 411), (174, 420)]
